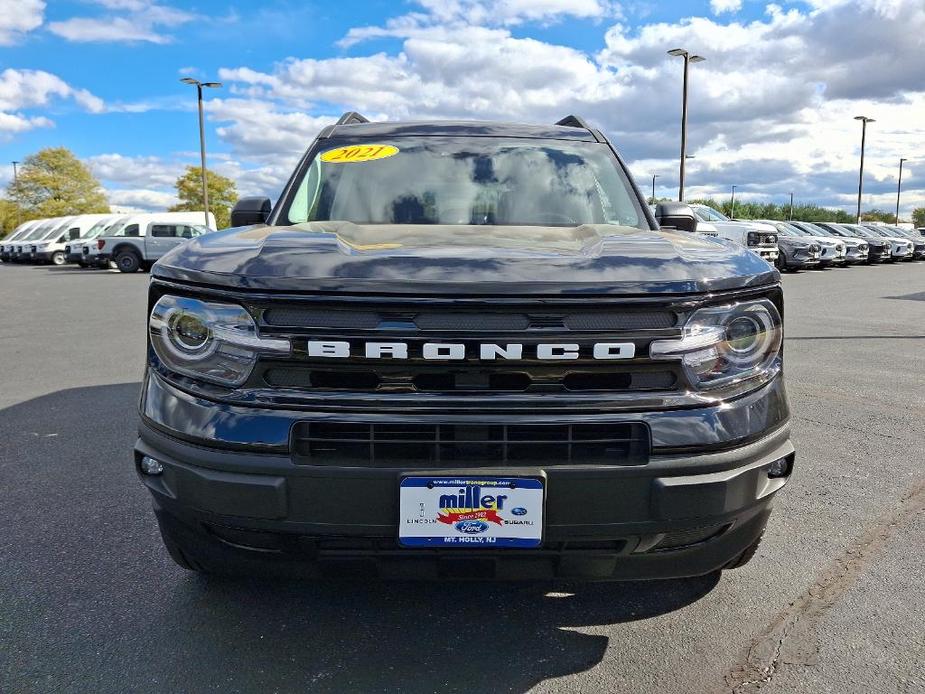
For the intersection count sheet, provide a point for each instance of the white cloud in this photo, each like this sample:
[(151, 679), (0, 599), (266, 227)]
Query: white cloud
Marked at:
[(138, 21), (451, 13), (19, 17), (21, 90), (720, 6), (141, 199)]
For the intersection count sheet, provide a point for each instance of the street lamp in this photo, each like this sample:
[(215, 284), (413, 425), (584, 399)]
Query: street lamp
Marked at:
[(732, 212), (791, 207), (202, 138), (899, 188), (16, 177), (864, 121), (654, 176), (688, 59)]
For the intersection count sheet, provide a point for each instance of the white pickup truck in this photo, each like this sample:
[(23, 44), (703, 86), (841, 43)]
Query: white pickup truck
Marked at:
[(758, 237), (135, 242)]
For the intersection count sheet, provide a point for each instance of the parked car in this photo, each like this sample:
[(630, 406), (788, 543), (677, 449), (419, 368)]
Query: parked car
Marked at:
[(831, 251), (141, 239), (878, 249), (918, 243), (795, 251), (326, 346), (856, 250), (900, 247), (756, 236), (19, 233)]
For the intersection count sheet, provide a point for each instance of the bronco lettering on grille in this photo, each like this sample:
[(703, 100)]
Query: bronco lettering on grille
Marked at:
[(456, 351)]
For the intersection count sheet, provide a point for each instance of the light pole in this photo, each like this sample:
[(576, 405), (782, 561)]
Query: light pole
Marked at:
[(899, 188), (202, 139), (864, 121), (732, 212), (791, 207), (688, 59), (654, 176), (15, 178)]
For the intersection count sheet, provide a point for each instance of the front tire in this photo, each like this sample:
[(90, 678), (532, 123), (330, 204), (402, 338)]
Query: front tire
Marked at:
[(58, 258), (128, 261)]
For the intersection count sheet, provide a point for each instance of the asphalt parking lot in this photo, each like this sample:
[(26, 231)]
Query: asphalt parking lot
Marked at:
[(89, 601)]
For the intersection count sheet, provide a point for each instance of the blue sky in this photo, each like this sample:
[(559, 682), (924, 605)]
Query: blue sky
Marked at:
[(771, 108)]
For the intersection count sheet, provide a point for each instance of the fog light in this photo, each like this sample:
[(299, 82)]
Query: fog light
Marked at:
[(150, 466), (779, 468)]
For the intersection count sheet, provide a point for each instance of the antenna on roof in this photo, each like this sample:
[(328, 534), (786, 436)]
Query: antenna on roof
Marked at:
[(352, 118), (574, 122)]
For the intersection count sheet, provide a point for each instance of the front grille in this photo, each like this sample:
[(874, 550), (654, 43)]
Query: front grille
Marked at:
[(486, 321), (410, 445), (449, 379)]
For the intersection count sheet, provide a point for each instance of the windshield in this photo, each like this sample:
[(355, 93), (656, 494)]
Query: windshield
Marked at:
[(815, 230), (55, 229), (859, 231), (455, 180), (793, 230), (39, 231), (114, 229), (97, 229)]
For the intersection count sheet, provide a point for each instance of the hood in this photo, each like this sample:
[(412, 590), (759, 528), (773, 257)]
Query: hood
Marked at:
[(464, 260)]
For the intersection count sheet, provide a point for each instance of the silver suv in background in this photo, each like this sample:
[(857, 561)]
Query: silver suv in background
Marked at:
[(831, 251), (756, 236), (856, 250)]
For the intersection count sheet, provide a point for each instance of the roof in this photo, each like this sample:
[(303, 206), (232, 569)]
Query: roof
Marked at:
[(468, 128)]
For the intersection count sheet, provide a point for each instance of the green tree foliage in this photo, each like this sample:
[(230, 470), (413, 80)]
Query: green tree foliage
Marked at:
[(222, 194), (918, 216), (878, 216), (756, 210), (10, 216), (54, 183)]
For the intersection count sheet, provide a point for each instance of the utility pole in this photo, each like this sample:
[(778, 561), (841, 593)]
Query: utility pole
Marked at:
[(654, 176), (791, 207), (899, 188), (732, 212)]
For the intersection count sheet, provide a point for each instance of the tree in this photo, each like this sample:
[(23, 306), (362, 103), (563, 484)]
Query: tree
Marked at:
[(10, 216), (878, 216), (918, 216), (222, 194), (53, 183), (757, 210)]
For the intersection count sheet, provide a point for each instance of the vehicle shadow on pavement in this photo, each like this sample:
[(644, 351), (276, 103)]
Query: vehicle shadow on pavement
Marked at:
[(427, 637), (82, 556)]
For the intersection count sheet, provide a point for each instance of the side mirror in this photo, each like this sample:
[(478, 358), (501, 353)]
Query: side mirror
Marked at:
[(675, 215), (248, 211)]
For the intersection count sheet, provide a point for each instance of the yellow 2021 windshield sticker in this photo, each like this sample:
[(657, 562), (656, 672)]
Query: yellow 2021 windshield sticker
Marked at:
[(357, 153)]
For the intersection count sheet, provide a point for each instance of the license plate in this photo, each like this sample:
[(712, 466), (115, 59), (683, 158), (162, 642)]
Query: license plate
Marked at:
[(464, 511)]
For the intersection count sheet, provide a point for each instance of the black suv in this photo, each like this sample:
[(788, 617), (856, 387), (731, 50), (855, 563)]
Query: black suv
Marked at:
[(463, 350)]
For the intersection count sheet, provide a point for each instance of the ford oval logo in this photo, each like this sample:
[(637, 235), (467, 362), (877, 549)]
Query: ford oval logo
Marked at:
[(519, 511), (472, 527)]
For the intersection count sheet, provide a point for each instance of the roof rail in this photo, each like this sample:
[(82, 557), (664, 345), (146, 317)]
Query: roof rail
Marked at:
[(351, 118), (574, 122)]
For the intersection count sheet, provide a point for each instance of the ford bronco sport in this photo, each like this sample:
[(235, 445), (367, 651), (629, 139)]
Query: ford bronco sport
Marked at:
[(463, 350)]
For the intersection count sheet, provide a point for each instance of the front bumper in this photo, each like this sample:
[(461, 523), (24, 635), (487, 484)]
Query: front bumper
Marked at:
[(42, 257), (683, 513), (770, 254)]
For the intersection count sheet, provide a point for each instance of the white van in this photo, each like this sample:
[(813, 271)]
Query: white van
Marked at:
[(139, 240), (92, 225), (51, 228), (19, 233), (54, 248)]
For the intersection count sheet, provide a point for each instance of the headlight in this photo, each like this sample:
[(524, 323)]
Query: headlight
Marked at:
[(724, 345), (209, 341)]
